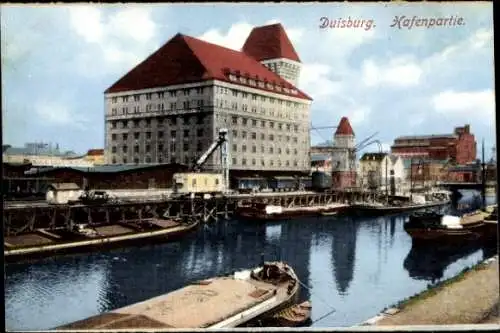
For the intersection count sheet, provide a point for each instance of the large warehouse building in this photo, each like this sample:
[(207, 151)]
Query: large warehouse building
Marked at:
[(170, 107), (459, 146)]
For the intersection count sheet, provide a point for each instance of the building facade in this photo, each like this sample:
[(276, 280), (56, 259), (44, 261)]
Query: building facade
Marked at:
[(344, 156), (459, 146), (376, 170), (170, 107), (96, 156)]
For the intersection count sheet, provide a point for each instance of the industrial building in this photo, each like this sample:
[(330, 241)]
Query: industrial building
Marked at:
[(109, 177), (45, 154), (459, 147), (170, 107)]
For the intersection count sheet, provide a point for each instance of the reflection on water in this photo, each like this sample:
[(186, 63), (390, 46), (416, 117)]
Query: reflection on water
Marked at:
[(356, 266), (429, 263)]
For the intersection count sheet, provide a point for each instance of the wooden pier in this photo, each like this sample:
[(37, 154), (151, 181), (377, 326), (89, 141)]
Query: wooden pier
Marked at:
[(27, 217)]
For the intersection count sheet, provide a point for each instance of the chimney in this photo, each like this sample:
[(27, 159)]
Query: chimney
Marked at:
[(467, 129)]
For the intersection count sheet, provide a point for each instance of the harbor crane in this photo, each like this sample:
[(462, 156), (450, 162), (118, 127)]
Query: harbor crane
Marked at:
[(222, 143)]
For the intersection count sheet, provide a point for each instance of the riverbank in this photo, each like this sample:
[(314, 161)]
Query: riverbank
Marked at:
[(469, 298)]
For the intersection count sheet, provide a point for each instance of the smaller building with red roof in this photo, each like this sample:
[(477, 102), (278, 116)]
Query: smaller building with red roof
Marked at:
[(344, 156)]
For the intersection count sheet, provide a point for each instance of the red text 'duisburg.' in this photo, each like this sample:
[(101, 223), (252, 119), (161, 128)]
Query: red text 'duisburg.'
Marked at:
[(326, 22)]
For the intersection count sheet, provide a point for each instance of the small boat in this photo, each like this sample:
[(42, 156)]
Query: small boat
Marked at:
[(293, 316), (230, 301), (85, 237), (431, 226)]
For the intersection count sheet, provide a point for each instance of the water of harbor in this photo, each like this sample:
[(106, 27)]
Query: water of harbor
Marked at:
[(355, 266)]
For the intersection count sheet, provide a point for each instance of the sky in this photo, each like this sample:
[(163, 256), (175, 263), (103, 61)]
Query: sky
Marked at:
[(389, 78)]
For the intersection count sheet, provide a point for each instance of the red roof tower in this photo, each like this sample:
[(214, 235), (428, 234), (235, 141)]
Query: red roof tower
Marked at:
[(269, 42), (344, 127)]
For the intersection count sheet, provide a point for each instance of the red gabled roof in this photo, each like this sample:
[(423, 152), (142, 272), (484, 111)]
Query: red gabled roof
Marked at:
[(344, 127), (269, 42), (95, 152), (185, 59)]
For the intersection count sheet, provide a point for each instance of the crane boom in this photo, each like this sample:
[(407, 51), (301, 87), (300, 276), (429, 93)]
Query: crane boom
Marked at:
[(216, 144)]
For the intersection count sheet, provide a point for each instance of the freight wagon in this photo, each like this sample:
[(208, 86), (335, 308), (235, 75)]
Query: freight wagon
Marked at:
[(283, 184), (250, 184), (321, 181), (197, 184)]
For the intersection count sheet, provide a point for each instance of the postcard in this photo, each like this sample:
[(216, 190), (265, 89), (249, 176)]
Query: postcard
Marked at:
[(217, 165)]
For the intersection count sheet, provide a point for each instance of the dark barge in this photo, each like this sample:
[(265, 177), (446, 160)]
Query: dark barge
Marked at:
[(477, 226), (87, 238)]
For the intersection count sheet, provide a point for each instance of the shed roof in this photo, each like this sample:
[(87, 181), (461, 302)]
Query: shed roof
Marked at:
[(64, 186), (427, 137), (112, 168)]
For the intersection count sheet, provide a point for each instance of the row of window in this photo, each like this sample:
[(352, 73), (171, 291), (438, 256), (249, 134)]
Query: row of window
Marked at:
[(255, 122), (173, 121), (159, 149), (254, 97), (262, 84), (244, 161), (263, 150), (159, 95), (200, 90), (253, 161), (158, 107), (253, 136), (160, 134)]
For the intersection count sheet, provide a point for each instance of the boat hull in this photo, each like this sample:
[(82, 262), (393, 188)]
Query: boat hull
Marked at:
[(98, 244), (427, 227), (234, 300), (250, 214), (367, 210)]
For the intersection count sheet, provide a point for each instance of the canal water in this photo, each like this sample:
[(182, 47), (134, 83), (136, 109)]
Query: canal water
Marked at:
[(350, 267)]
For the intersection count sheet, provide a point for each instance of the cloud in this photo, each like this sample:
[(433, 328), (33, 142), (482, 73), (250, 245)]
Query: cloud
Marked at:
[(119, 40), (233, 39), (294, 34), (87, 22), (314, 79), (359, 115), (479, 103), (462, 55), (54, 113), (399, 72), (237, 34)]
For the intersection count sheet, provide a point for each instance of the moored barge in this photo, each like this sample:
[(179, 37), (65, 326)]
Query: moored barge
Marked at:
[(265, 212), (378, 209), (223, 302), (432, 227), (85, 238)]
